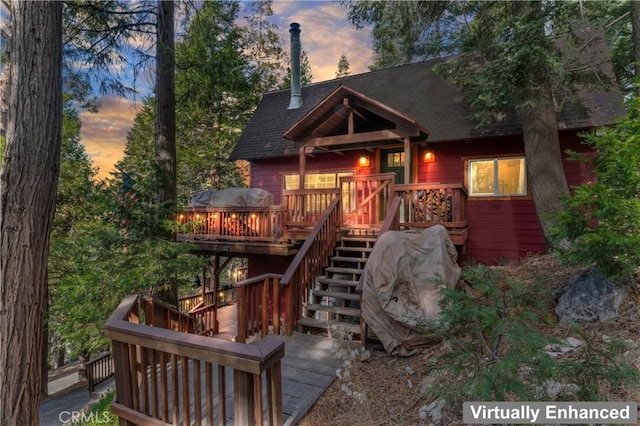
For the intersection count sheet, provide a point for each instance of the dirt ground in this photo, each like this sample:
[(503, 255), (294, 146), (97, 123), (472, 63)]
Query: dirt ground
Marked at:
[(393, 387)]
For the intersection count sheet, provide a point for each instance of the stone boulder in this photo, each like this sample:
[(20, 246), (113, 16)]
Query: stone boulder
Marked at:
[(591, 297)]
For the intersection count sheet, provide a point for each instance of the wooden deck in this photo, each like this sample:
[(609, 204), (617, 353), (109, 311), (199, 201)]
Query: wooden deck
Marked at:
[(308, 368)]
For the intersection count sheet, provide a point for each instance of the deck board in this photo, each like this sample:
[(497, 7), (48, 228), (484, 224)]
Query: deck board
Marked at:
[(308, 368)]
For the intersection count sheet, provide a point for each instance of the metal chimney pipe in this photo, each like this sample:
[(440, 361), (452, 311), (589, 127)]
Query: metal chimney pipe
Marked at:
[(296, 90)]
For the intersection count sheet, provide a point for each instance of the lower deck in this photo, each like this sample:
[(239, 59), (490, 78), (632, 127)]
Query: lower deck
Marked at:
[(169, 388)]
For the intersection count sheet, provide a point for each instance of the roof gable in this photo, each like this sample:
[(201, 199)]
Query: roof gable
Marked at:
[(345, 112)]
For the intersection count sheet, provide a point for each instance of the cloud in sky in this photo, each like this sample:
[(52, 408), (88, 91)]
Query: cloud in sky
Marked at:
[(104, 134), (325, 36)]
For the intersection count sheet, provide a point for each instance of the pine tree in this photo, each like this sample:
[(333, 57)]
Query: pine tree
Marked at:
[(343, 67)]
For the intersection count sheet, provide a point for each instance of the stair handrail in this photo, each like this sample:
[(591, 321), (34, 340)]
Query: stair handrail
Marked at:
[(309, 261)]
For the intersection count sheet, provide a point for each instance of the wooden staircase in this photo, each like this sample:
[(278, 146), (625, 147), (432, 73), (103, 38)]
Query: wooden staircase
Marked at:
[(334, 301)]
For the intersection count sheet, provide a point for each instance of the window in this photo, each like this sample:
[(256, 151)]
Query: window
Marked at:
[(497, 177), (315, 180), (318, 180), (395, 159)]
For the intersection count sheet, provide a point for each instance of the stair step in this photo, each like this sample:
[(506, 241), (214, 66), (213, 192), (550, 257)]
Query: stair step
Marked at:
[(348, 259), (360, 239), (337, 282), (336, 295), (340, 270), (354, 249), (323, 324), (340, 310)]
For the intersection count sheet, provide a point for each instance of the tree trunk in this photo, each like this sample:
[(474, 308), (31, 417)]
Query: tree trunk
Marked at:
[(165, 107), (166, 132), (28, 182), (545, 171)]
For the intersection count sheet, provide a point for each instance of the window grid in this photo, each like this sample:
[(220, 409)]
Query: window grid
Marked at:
[(492, 177)]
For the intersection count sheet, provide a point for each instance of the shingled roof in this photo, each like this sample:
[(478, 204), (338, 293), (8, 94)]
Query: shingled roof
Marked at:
[(417, 91)]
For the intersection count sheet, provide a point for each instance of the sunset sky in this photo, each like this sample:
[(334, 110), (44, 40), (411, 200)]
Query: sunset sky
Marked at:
[(325, 36)]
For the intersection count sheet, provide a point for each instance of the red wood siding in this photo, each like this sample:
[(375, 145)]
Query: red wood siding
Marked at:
[(499, 230), (268, 174)]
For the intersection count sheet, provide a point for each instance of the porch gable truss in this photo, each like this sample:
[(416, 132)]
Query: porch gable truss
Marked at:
[(347, 119)]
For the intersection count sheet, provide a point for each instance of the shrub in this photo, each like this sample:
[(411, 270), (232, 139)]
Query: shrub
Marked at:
[(602, 220), (494, 347), (491, 339)]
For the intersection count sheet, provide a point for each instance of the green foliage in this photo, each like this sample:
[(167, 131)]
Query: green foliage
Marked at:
[(492, 339), (602, 220), (343, 67), (216, 94), (494, 347), (600, 370), (103, 245), (97, 43), (100, 413), (505, 50), (305, 71), (263, 47)]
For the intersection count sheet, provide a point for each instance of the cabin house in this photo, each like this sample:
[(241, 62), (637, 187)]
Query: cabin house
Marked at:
[(367, 139), (345, 160)]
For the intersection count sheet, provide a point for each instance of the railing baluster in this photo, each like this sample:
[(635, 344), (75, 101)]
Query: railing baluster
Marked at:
[(222, 396), (175, 391)]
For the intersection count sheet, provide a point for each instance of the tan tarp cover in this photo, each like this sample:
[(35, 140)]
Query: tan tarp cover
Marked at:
[(401, 285), (233, 197)]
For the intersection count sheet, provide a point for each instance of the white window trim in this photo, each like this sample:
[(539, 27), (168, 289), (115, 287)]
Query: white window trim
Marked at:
[(496, 177)]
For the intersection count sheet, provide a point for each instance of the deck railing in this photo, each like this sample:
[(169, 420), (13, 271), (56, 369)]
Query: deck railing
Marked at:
[(304, 207), (365, 199), (99, 370), (163, 315), (171, 377), (425, 205), (262, 224), (314, 255), (187, 303), (258, 306), (205, 318)]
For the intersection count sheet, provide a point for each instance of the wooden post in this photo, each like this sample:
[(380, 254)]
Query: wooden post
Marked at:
[(243, 398), (274, 392), (407, 160), (303, 165)]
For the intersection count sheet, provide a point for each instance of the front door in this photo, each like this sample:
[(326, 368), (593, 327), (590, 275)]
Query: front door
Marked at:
[(392, 161)]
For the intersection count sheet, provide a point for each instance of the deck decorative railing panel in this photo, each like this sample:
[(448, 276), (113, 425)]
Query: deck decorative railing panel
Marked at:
[(424, 204), (167, 376)]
